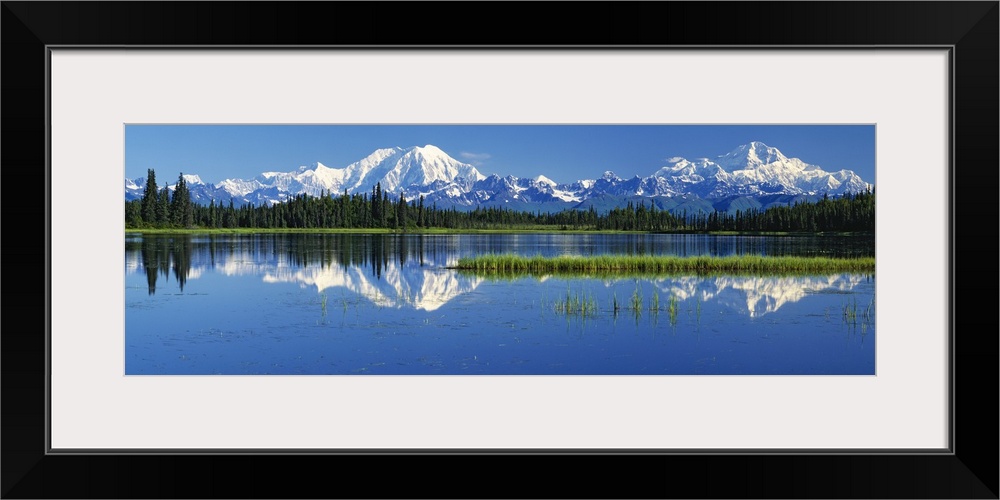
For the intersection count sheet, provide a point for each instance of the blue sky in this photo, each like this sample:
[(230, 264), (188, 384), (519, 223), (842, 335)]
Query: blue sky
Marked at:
[(564, 153)]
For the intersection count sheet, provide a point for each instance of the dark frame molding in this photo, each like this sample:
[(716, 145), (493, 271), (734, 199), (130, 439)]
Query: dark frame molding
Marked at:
[(969, 28)]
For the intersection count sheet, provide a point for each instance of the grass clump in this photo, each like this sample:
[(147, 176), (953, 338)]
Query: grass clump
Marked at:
[(576, 304), (672, 309), (662, 264), (851, 311), (636, 301)]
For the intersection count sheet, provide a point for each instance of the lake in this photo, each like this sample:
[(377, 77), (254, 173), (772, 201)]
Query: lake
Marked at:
[(384, 304)]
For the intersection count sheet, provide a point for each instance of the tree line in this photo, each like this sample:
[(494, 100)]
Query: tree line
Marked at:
[(850, 212), (163, 208)]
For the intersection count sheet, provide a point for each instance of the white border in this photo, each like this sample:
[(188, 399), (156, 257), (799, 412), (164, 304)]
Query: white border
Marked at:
[(95, 92)]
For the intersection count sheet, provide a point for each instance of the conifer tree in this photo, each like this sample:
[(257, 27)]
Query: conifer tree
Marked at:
[(163, 207), (401, 212), (180, 206), (150, 198)]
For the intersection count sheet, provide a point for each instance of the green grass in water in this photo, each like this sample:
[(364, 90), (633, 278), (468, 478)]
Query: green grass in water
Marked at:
[(577, 304), (662, 264)]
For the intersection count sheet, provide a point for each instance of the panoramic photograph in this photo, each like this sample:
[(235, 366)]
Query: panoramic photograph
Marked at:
[(360, 250)]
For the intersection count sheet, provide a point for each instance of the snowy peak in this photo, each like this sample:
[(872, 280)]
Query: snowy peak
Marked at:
[(752, 155), (431, 153), (418, 166), (755, 169), (190, 179), (541, 179), (398, 169)]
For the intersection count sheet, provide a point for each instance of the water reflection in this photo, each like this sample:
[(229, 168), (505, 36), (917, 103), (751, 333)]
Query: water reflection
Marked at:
[(391, 304), (161, 256), (396, 286), (190, 255), (757, 295), (412, 271)]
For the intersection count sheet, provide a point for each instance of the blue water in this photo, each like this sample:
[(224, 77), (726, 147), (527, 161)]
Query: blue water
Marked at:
[(390, 305)]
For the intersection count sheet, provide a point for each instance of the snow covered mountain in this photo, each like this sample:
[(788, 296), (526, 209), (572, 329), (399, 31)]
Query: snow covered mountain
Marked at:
[(752, 175), (755, 169), (395, 168)]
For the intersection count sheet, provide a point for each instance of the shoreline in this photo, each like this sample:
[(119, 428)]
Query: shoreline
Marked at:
[(433, 231)]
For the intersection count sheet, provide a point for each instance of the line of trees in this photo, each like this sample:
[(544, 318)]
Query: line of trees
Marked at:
[(160, 208), (163, 208), (851, 212)]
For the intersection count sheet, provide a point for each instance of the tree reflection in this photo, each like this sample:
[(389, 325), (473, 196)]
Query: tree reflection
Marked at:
[(163, 255), (160, 256)]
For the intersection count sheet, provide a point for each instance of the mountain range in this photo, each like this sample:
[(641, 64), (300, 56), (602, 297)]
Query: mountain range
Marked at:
[(753, 175)]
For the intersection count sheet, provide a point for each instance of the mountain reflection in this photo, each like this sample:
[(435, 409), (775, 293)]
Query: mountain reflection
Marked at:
[(408, 271), (388, 270), (756, 295), (399, 286)]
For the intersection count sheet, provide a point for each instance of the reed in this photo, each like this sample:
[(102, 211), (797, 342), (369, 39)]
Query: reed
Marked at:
[(851, 311), (576, 304), (662, 264), (636, 302), (672, 308)]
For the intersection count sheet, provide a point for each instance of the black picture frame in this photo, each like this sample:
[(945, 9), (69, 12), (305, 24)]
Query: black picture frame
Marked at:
[(969, 28)]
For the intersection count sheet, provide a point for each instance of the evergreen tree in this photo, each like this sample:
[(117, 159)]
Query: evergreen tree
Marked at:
[(401, 212), (213, 216), (420, 212), (150, 198), (384, 209), (378, 209), (180, 205), (133, 213), (230, 216), (163, 207)]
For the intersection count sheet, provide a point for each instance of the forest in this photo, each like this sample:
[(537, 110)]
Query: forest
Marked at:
[(163, 208)]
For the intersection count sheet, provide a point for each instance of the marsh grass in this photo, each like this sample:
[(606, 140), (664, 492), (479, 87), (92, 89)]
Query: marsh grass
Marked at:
[(672, 308), (636, 300), (576, 304), (661, 264), (635, 304), (851, 313)]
